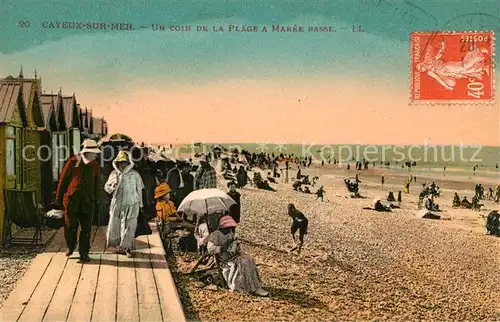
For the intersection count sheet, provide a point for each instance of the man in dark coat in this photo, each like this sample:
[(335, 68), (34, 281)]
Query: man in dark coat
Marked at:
[(78, 193), (175, 181)]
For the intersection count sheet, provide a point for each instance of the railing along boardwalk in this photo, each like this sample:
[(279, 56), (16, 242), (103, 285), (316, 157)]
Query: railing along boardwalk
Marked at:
[(109, 288)]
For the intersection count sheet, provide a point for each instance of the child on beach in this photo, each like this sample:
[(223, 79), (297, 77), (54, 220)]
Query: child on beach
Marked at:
[(300, 223)]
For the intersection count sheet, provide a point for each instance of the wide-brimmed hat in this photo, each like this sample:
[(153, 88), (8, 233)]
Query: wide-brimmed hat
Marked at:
[(90, 146), (162, 190), (227, 222), (121, 157)]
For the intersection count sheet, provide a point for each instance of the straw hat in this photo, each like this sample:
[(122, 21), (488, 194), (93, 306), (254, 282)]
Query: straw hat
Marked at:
[(162, 190), (121, 157), (227, 222), (90, 146)]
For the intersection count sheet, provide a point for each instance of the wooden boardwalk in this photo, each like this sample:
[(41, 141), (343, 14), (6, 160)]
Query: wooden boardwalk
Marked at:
[(109, 288)]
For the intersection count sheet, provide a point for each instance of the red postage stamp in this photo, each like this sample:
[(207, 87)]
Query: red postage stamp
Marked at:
[(452, 67)]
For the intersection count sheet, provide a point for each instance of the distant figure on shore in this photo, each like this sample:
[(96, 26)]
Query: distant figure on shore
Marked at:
[(299, 174), (400, 198), (406, 188), (348, 166), (383, 180), (456, 201), (320, 193)]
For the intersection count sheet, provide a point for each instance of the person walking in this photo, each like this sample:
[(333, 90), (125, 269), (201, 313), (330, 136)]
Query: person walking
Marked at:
[(78, 193), (126, 186)]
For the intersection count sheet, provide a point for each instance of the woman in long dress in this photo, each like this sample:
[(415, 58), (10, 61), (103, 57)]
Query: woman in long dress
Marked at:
[(239, 270), (125, 184), (474, 65)]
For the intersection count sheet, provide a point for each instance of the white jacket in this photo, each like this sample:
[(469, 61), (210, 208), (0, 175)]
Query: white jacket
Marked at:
[(125, 186)]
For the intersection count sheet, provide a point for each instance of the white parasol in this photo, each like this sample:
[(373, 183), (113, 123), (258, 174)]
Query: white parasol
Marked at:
[(206, 201)]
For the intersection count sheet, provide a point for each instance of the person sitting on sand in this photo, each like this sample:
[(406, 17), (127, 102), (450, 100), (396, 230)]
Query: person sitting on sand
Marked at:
[(430, 204), (299, 223), (475, 203), (465, 203), (201, 233), (238, 269), (306, 190), (456, 201), (270, 179), (378, 206), (390, 197)]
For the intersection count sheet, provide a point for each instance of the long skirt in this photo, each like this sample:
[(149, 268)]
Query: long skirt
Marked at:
[(241, 274), (122, 226)]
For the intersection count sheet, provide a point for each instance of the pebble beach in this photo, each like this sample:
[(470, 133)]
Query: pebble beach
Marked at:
[(356, 263)]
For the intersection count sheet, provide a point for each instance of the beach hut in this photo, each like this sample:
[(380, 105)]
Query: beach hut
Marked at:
[(59, 147), (46, 153), (31, 163), (12, 123), (72, 121), (97, 128), (84, 123)]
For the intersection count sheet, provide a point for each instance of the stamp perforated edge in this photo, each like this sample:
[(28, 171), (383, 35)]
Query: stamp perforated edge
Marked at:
[(489, 102)]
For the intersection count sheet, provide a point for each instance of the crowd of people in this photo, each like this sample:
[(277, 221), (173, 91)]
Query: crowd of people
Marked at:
[(78, 195)]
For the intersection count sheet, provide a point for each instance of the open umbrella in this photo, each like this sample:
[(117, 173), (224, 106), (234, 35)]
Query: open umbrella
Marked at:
[(206, 201), (120, 137)]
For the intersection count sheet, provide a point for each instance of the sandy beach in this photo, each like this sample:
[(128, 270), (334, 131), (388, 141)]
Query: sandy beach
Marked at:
[(359, 264)]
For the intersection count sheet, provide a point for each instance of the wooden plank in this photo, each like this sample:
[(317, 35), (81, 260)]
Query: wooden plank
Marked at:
[(38, 303), (15, 303), (99, 242), (149, 302), (81, 308), (105, 299), (61, 302), (150, 312), (167, 291), (127, 308)]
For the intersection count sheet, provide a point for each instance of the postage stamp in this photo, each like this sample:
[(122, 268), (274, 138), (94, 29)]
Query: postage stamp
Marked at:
[(452, 67)]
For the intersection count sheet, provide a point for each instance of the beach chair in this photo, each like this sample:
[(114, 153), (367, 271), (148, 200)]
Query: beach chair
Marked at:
[(22, 210), (212, 273)]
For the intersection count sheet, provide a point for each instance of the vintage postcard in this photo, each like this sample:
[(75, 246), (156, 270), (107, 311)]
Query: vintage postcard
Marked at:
[(249, 160)]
